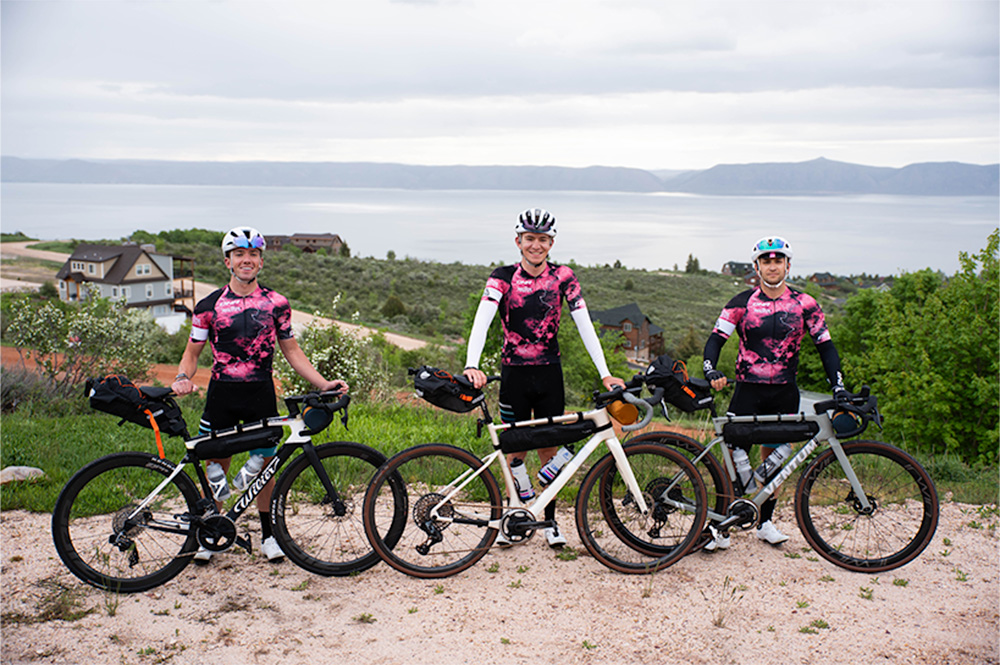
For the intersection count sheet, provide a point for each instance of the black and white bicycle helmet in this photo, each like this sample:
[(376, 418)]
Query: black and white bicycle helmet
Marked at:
[(536, 220), (772, 246), (243, 236)]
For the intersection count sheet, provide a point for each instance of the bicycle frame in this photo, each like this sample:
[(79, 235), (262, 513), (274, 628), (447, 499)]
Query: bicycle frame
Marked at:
[(825, 434), (295, 439), (535, 507)]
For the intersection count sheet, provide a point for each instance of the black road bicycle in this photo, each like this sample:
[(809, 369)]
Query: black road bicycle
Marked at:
[(131, 521)]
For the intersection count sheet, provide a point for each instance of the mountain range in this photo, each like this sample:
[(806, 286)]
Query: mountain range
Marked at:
[(816, 177)]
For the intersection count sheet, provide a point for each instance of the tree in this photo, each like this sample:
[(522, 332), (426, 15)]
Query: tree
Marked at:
[(692, 267), (929, 349), (393, 306)]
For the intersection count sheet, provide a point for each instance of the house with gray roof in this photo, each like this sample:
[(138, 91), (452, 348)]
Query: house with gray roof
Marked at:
[(132, 274)]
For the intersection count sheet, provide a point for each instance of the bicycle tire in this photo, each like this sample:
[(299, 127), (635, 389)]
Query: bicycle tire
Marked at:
[(718, 487), (428, 548), (306, 522), (91, 510), (900, 526), (622, 538)]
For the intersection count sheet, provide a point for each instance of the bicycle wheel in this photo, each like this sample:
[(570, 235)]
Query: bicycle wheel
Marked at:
[(432, 547), (102, 545), (319, 534), (898, 526), (617, 534), (718, 487)]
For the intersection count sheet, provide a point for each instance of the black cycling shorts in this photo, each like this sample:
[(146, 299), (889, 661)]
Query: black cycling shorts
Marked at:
[(229, 403), (531, 391), (764, 399)]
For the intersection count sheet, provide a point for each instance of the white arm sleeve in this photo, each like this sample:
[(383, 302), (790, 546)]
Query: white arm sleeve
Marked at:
[(480, 326), (593, 345)]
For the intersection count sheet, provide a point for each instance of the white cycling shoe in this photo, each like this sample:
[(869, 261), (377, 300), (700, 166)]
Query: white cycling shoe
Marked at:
[(555, 539), (770, 534), (202, 557), (720, 542), (272, 550)]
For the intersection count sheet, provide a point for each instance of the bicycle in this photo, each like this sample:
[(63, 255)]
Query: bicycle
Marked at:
[(455, 508), (863, 505), (131, 521)]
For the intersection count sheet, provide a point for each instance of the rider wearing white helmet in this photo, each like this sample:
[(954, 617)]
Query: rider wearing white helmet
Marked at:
[(529, 296), (771, 321), (244, 321)]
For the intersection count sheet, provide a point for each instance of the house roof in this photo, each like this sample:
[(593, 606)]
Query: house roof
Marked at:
[(618, 315), (126, 256)]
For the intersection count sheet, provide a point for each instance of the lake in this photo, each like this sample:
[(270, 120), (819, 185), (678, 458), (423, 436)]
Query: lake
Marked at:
[(838, 234)]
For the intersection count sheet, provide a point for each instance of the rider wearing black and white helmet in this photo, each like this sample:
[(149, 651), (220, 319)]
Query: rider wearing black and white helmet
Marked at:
[(536, 220)]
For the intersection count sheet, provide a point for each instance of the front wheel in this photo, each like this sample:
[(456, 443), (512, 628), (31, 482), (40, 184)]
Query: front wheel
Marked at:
[(617, 533), (322, 533), (106, 540), (449, 501), (896, 527)]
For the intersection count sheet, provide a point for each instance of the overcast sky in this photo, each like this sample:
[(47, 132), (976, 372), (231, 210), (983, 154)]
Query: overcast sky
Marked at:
[(644, 83)]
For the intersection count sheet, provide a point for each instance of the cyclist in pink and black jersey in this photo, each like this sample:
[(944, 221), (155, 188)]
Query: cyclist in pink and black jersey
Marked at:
[(244, 321), (771, 321), (529, 295)]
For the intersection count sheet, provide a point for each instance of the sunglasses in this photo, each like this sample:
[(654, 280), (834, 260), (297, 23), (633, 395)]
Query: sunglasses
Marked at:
[(771, 244), (255, 243)]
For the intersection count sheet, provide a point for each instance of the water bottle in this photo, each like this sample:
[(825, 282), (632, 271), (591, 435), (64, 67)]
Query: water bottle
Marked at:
[(248, 472), (744, 472), (770, 466), (521, 480), (552, 468), (217, 481)]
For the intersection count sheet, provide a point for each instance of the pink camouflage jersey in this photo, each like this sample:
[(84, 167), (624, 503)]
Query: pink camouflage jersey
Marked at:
[(771, 333), (243, 332), (530, 309)]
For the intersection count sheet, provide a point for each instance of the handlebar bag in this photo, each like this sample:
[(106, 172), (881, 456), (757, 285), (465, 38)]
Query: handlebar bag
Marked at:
[(679, 389), (774, 432), (445, 391), (520, 439), (118, 395)]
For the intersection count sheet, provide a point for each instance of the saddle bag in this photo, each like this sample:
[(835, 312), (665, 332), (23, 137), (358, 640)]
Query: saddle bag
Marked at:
[(444, 390), (679, 389), (118, 395)]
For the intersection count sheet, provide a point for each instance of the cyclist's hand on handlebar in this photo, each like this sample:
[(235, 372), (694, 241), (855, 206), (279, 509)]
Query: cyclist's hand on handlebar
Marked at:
[(841, 395), (611, 382), (717, 379), (338, 385), (477, 377)]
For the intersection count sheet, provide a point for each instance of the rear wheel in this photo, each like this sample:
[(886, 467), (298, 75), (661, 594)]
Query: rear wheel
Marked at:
[(896, 527), (324, 535), (621, 537), (106, 540), (445, 530)]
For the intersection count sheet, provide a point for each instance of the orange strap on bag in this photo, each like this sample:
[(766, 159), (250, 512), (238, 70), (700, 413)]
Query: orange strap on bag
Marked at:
[(156, 431)]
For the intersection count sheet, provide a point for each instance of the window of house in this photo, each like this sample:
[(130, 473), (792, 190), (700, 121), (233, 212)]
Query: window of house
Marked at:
[(149, 291), (168, 288), (91, 268), (127, 292), (627, 327), (142, 269), (114, 291)]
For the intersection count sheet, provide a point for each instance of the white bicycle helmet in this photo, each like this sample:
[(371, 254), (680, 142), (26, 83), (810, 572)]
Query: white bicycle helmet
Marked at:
[(243, 236), (536, 220), (773, 245)]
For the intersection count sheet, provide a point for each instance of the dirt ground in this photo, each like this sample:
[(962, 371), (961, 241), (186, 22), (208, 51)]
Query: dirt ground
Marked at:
[(532, 607)]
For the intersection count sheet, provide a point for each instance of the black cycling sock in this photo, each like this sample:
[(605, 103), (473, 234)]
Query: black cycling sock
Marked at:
[(550, 510), (265, 525), (767, 510)]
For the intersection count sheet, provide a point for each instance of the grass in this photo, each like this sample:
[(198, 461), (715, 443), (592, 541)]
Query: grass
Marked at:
[(725, 603)]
